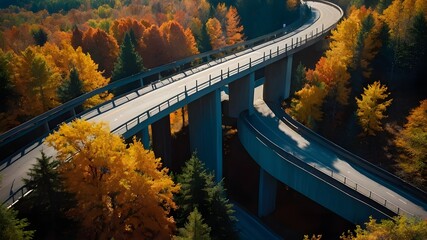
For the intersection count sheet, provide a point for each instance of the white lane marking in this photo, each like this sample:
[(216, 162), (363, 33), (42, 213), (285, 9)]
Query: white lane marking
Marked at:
[(115, 119), (389, 194), (402, 201)]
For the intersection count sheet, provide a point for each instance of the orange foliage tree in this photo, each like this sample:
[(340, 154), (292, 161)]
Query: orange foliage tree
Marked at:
[(215, 32), (103, 49), (175, 35), (221, 13), (17, 38), (152, 47), (234, 30), (121, 193), (158, 45), (334, 74), (123, 25)]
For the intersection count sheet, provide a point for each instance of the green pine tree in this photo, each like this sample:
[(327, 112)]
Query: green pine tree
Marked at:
[(45, 182), (40, 36), (199, 190), (299, 78), (128, 63), (71, 88), (195, 228), (48, 196), (221, 213), (194, 181), (12, 228)]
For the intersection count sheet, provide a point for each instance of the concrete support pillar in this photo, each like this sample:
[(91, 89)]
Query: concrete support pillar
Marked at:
[(278, 80), (206, 131), (266, 193), (241, 93), (145, 138), (162, 143), (288, 76)]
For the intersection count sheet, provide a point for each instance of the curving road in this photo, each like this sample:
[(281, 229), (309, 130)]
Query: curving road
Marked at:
[(325, 17), (270, 120)]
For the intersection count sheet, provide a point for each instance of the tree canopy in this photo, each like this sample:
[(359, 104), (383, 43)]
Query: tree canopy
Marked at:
[(195, 228), (372, 107), (412, 139), (121, 192), (400, 227), (198, 190)]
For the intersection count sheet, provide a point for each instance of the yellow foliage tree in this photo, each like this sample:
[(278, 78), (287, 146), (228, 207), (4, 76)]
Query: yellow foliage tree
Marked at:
[(400, 227), (36, 79), (344, 39), (66, 57), (371, 108), (121, 193), (399, 16), (307, 104), (216, 36), (413, 140)]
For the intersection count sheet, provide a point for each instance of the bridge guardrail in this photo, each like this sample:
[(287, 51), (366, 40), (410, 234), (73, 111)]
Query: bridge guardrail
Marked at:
[(351, 157), (285, 49), (184, 66), (348, 182), (212, 81)]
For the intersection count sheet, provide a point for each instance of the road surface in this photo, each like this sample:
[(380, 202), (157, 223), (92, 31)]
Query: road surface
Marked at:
[(325, 16)]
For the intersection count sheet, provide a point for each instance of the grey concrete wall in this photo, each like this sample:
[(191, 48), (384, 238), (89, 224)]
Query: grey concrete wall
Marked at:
[(241, 95), (204, 116)]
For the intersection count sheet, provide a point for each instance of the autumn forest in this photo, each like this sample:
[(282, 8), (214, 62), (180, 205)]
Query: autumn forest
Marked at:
[(368, 83)]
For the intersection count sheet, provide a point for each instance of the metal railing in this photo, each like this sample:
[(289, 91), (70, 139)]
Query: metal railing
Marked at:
[(349, 156), (280, 51), (164, 74), (318, 166), (215, 82)]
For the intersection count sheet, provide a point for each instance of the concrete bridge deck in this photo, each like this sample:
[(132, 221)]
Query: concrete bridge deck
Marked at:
[(147, 108), (271, 128)]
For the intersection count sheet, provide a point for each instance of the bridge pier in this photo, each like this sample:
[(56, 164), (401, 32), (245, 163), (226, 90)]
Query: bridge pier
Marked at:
[(266, 193), (241, 95), (205, 125), (145, 138), (288, 76), (277, 83), (162, 144)]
